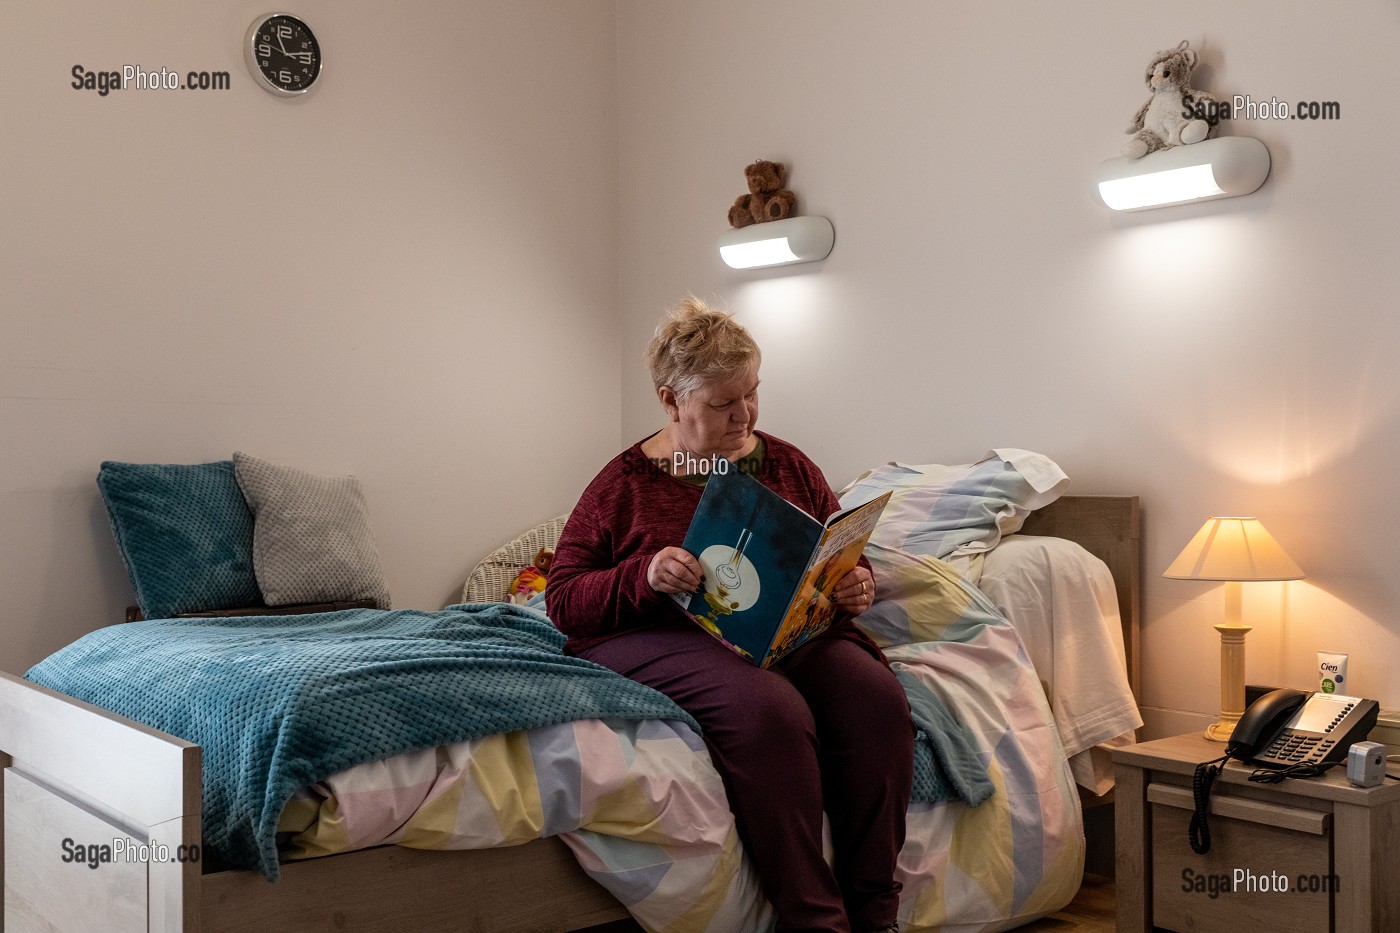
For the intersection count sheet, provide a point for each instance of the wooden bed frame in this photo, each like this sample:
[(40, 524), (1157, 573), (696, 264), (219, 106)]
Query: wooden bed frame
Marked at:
[(77, 772)]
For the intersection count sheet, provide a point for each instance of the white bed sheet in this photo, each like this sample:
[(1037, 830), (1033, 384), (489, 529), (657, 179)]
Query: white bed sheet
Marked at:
[(1061, 600)]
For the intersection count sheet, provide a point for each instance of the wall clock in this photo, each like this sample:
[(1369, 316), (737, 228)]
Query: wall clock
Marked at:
[(282, 54)]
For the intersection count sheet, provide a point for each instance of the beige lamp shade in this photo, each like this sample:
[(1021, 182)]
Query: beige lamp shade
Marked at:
[(1233, 548)]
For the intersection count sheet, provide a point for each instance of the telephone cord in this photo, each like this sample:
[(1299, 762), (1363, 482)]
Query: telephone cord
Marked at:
[(1199, 831), (1279, 775)]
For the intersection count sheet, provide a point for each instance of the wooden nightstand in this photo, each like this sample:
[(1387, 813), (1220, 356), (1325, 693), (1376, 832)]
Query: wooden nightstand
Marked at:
[(1303, 856)]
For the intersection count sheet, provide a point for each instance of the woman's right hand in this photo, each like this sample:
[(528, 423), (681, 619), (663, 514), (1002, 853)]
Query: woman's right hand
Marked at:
[(674, 570)]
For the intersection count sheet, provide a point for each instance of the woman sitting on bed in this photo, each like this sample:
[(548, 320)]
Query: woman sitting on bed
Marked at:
[(828, 726)]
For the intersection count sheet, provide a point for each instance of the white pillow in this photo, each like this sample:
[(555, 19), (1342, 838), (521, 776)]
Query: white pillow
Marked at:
[(940, 511)]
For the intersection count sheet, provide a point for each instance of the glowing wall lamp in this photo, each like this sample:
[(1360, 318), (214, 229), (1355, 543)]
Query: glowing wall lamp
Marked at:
[(793, 239), (1214, 168)]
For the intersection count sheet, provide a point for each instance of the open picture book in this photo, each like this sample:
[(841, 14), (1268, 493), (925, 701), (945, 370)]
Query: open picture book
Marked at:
[(769, 567)]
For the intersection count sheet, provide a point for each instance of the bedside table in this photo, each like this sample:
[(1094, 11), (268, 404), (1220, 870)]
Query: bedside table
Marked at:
[(1313, 855)]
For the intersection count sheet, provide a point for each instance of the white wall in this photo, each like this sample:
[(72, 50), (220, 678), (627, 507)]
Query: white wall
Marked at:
[(473, 177), (336, 282), (1228, 358)]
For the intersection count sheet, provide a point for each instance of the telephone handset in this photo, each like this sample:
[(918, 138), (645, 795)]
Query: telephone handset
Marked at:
[(1291, 733), (1287, 728)]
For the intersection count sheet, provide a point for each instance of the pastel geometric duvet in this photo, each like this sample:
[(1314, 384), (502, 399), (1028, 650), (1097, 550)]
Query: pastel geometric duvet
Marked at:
[(644, 811)]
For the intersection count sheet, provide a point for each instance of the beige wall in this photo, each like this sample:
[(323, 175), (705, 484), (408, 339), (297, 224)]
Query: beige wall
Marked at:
[(1232, 357), (545, 163), (411, 275)]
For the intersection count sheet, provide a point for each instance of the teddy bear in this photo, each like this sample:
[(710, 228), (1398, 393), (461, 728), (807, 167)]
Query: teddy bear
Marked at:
[(767, 198), (1175, 115), (531, 580)]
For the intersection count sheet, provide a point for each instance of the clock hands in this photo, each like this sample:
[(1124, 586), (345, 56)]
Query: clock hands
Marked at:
[(304, 58)]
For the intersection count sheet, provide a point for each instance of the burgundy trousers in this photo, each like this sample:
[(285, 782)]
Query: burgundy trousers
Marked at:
[(827, 728)]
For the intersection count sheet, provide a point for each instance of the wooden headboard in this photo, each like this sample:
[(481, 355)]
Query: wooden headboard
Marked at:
[(1110, 528)]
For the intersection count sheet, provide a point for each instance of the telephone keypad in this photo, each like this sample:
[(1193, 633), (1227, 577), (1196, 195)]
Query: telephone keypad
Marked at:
[(1293, 747)]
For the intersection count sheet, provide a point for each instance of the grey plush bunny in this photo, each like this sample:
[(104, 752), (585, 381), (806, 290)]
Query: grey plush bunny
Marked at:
[(1175, 115)]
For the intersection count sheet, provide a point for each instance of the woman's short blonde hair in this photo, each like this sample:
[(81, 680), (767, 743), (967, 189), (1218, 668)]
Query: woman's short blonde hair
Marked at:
[(695, 344)]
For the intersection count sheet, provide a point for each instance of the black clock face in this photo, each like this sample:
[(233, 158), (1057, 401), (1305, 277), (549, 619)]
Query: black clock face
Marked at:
[(283, 52)]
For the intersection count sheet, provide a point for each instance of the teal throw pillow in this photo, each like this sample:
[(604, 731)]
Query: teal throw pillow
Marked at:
[(185, 534)]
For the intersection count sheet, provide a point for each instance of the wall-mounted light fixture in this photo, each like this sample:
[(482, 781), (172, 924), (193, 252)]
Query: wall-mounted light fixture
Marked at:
[(793, 239), (1214, 168)]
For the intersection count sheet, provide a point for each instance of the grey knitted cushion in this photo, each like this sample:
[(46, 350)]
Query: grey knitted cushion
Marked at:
[(311, 535)]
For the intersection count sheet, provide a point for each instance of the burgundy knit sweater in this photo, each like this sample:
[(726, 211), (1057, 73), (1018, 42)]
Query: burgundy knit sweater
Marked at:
[(598, 580)]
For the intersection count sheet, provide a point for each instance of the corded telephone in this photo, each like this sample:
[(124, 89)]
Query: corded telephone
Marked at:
[(1290, 733), (1288, 728)]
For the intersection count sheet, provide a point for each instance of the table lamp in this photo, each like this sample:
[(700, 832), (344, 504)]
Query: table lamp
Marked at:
[(1234, 550)]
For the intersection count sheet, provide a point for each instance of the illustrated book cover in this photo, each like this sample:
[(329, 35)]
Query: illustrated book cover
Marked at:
[(769, 567)]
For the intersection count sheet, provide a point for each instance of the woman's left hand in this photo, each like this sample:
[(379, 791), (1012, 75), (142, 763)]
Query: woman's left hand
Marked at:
[(855, 592)]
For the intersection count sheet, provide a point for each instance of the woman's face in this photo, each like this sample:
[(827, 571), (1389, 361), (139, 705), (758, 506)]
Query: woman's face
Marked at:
[(718, 417)]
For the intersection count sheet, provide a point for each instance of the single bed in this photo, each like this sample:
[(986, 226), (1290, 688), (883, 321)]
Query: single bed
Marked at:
[(79, 772)]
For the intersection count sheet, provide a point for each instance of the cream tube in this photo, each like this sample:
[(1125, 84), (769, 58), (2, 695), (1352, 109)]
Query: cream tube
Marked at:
[(1332, 672)]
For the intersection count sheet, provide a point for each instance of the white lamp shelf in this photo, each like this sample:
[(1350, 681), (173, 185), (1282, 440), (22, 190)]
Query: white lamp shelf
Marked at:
[(777, 242), (1224, 167)]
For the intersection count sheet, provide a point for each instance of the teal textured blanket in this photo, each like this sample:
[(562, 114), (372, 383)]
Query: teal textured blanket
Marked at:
[(280, 702), (946, 763)]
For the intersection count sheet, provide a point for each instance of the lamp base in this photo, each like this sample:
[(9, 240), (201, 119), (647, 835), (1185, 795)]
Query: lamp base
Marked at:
[(1231, 667), (1222, 730)]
